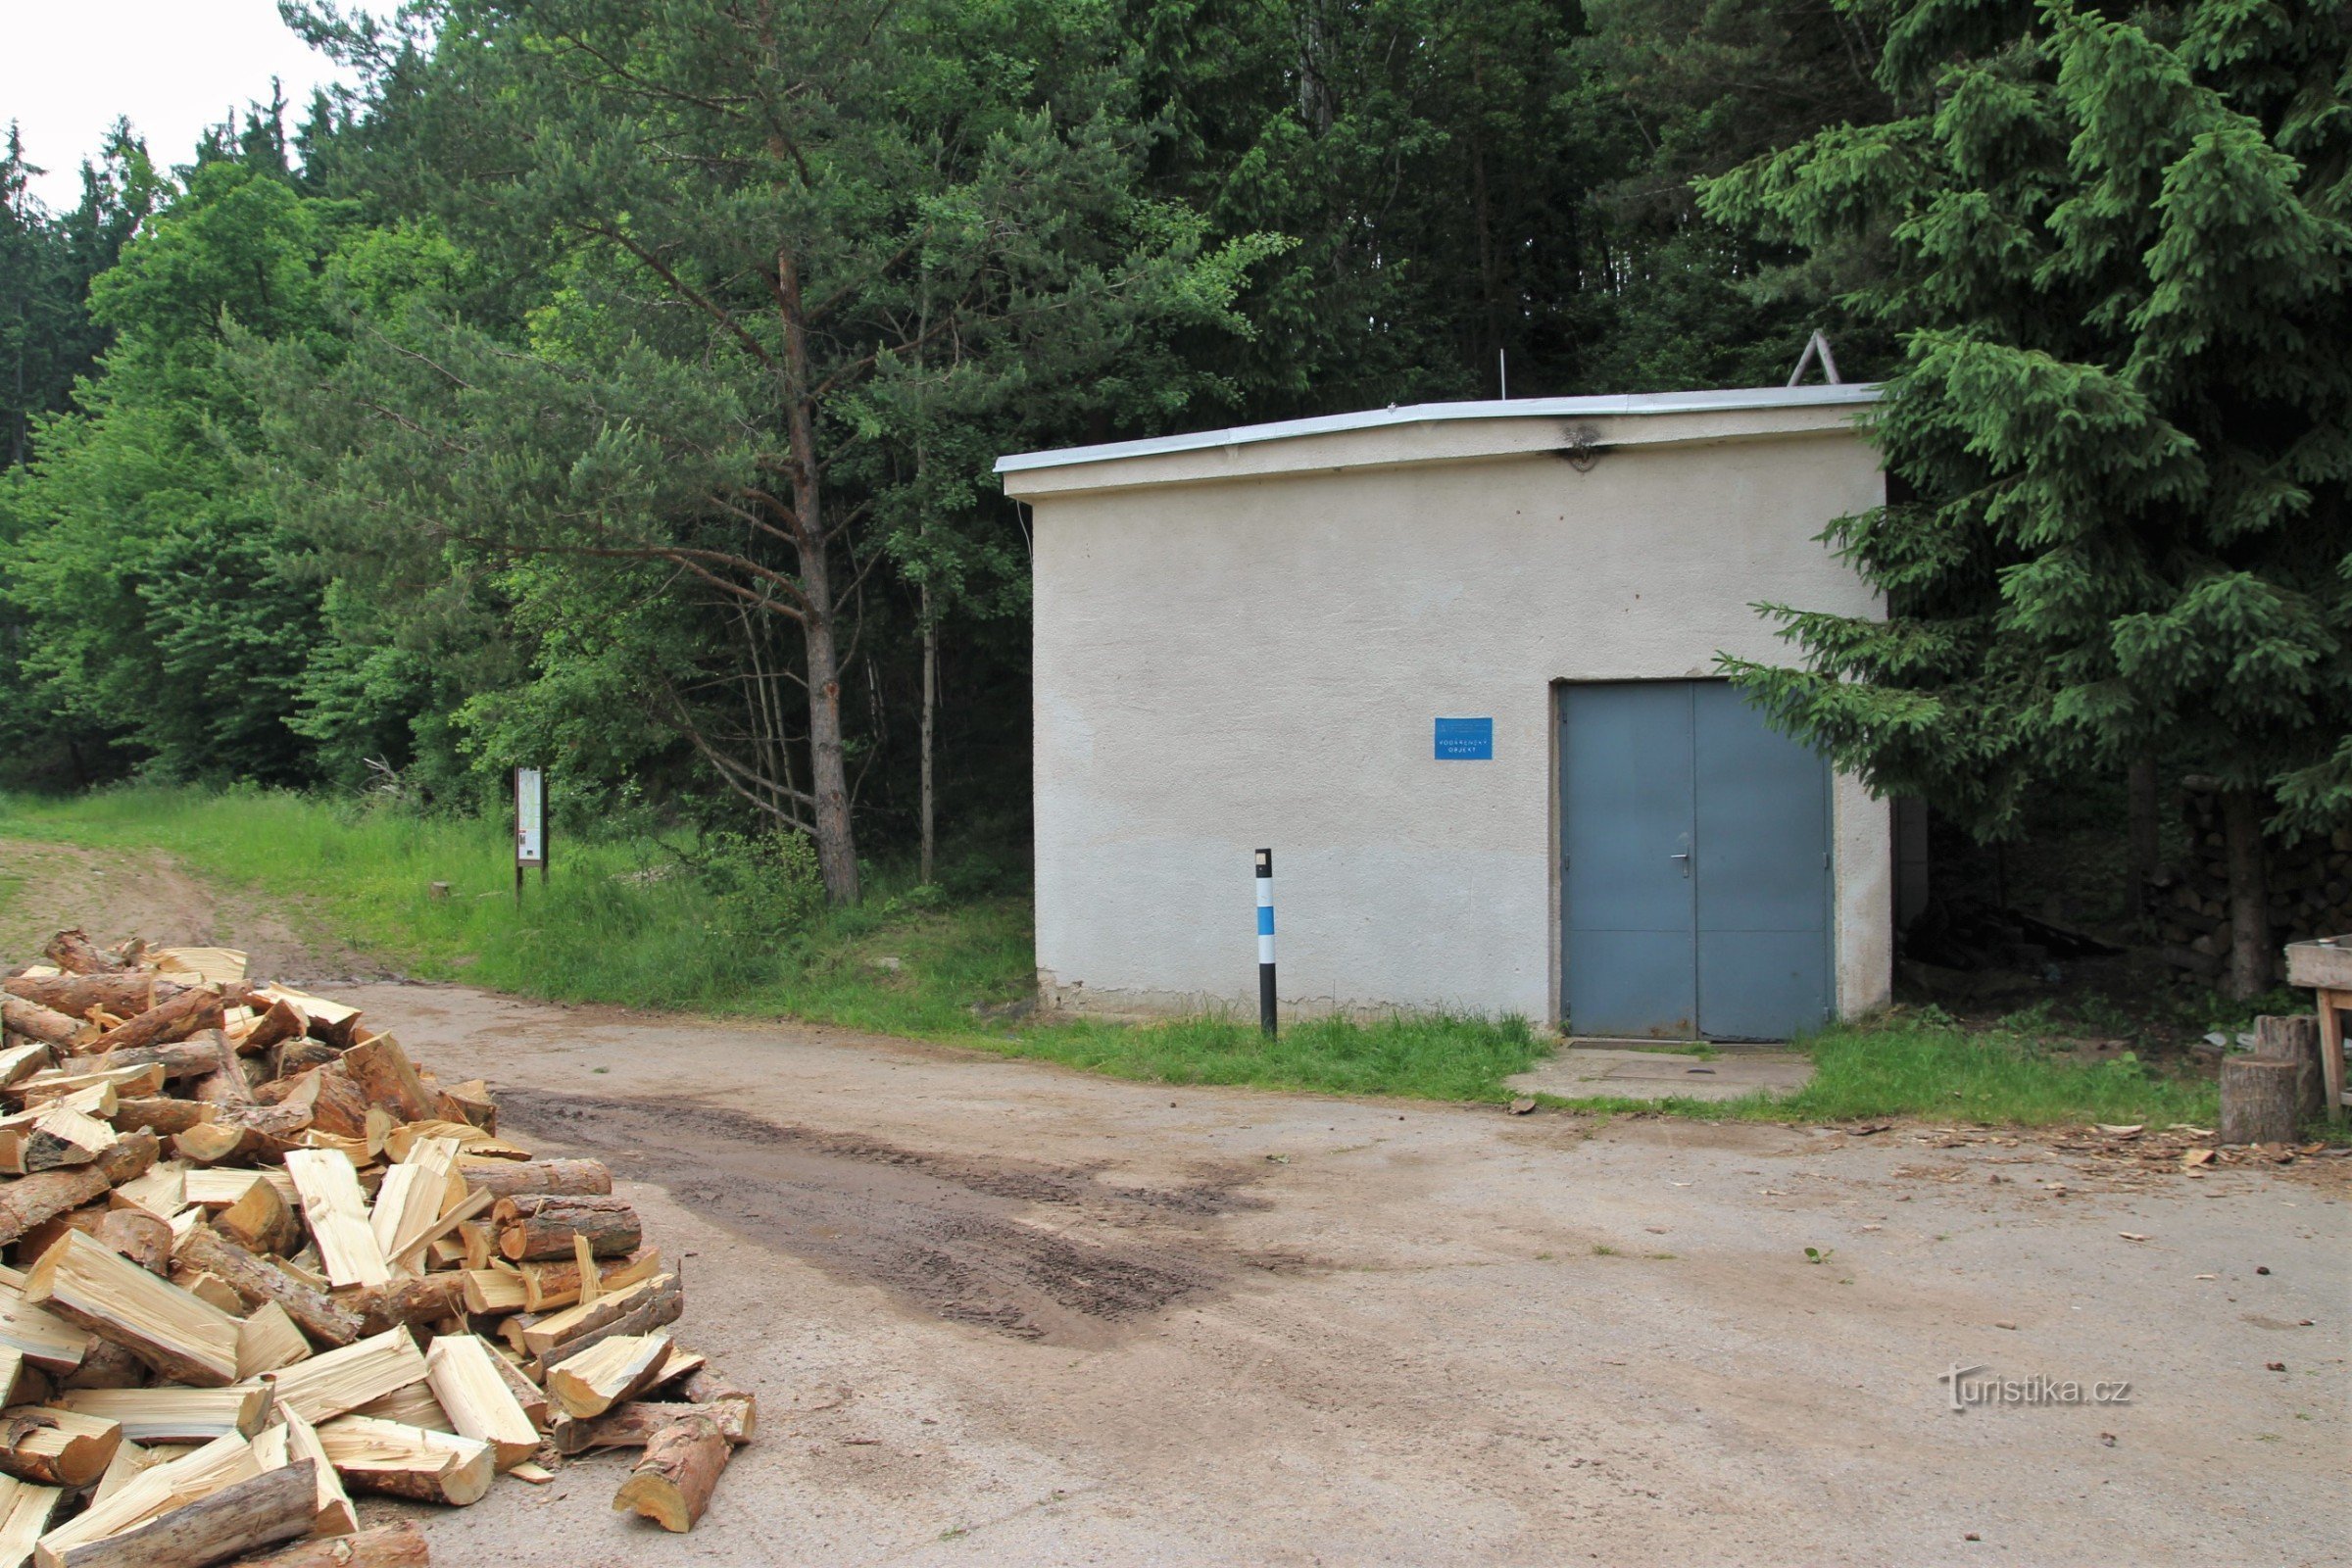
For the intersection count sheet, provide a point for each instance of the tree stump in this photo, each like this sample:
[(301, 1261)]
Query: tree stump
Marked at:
[(2296, 1039), (2260, 1100)]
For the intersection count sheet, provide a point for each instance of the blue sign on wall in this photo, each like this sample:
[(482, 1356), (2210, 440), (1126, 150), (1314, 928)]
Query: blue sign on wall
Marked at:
[(1465, 740)]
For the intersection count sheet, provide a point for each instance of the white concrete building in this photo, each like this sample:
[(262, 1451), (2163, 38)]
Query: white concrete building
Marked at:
[(1456, 664)]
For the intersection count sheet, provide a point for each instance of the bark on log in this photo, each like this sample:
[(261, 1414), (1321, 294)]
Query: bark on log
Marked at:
[(74, 952), (2296, 1039), (125, 995), (385, 1076), (257, 1279), (138, 1236), (298, 1057), (163, 1116), (106, 1365), (428, 1299), (175, 1019), (259, 1512), (282, 1022), (260, 1222), (182, 1059), (541, 1225), (640, 1309), (633, 1426), (2260, 1099), (518, 1178), (225, 1084), (128, 1159), (26, 1202), (39, 1239), (400, 1546), (551, 1287), (673, 1484), (706, 1387), (56, 1447), (36, 1022)]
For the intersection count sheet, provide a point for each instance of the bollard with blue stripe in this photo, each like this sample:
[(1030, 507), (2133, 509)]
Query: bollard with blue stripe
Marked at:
[(1265, 940)]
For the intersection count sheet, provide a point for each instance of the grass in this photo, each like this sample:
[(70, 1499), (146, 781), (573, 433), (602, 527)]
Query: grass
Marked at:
[(625, 921)]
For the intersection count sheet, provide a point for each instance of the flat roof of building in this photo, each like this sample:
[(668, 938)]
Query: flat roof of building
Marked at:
[(1849, 394)]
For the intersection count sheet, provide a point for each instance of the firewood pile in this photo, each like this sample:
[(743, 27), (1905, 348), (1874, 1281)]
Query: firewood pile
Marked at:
[(258, 1259)]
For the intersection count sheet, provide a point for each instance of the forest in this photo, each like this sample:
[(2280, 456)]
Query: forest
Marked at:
[(615, 386)]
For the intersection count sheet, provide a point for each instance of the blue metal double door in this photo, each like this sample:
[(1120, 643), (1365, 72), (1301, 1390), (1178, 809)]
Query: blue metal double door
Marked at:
[(1695, 875)]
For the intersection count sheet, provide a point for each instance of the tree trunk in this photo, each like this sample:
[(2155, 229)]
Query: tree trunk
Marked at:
[(930, 706), (2249, 972), (2140, 788)]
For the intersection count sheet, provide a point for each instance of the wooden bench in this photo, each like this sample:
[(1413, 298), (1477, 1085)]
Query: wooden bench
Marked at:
[(2326, 965)]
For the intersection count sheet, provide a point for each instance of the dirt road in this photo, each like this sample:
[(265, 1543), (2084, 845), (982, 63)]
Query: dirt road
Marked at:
[(999, 1312)]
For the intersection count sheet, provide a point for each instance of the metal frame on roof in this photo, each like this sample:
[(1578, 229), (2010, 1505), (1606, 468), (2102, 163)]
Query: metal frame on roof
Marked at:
[(1638, 403)]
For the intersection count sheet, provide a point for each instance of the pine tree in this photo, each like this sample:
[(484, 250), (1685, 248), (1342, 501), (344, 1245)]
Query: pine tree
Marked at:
[(2116, 248)]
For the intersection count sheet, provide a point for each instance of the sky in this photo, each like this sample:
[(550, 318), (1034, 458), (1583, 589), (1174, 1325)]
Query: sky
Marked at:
[(69, 66)]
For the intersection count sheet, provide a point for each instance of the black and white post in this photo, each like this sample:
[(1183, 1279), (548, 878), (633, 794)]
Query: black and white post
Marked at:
[(1265, 940)]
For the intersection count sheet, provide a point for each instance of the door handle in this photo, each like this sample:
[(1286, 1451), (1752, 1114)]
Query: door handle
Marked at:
[(1684, 858)]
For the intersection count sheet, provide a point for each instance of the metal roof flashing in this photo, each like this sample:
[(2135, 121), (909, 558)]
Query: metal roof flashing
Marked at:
[(1793, 399)]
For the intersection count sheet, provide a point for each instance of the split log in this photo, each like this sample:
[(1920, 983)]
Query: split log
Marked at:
[(400, 1546), (106, 1365), (427, 1298), (43, 1339), (191, 1057), (186, 1339), (35, 1022), (546, 1287), (206, 1286), (57, 1135), (606, 1374), (2260, 1100), (464, 1377), (26, 1204), (411, 1406), (383, 1073), (157, 1488), (175, 1019), (335, 1515), (74, 952), (55, 1446), (298, 1056), (138, 1236), (257, 1280), (132, 1156), (557, 1334), (673, 1484), (23, 1060), (267, 1341), (171, 1414), (162, 1117), (257, 1512), (536, 1225), (403, 1461), (25, 1513), (260, 1221), (335, 1101), (706, 1387), (126, 1082), (635, 1425), (337, 1215), (344, 1379), (514, 1178), (470, 1102), (282, 1022), (224, 1083), (126, 994)]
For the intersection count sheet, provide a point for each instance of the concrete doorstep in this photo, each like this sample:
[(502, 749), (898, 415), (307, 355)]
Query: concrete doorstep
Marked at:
[(1584, 1070)]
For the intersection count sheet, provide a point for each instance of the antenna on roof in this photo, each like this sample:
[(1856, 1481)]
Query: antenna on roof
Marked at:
[(1817, 344)]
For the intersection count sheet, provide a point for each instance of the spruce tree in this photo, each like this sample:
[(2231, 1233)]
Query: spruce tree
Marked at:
[(2116, 248)]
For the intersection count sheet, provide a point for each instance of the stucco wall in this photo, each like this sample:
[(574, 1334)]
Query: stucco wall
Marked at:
[(1257, 661)]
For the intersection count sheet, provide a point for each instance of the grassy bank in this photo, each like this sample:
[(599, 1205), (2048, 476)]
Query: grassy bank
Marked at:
[(625, 921)]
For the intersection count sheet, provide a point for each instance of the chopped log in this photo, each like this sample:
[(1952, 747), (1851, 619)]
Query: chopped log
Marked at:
[(411, 1462), (206, 1286), (55, 1446), (436, 1235), (173, 1414), (546, 1286), (348, 1377), (514, 1178), (108, 1366), (673, 1484), (384, 1075), (464, 1377), (257, 1280), (20, 1062), (257, 1511), (337, 1215), (26, 1204), (541, 1225), (132, 1156), (25, 1513), (161, 1191), (397, 1546), (191, 1057), (268, 1340), (260, 1221), (74, 952), (175, 1019), (126, 994), (282, 1022), (36, 1022), (490, 1292), (186, 1339), (550, 1338), (527, 1393), (605, 1375), (411, 1197), (411, 1406), (218, 1189), (706, 1387), (126, 1082), (331, 1022), (158, 1487), (43, 1339), (333, 1101), (158, 1116), (417, 1299), (138, 1236), (224, 1081), (335, 1515), (298, 1056), (54, 1136), (208, 1143), (636, 1424), (130, 1460), (2260, 1100), (471, 1103)]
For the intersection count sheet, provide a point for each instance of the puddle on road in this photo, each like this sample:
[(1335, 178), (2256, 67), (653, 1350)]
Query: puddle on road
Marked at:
[(953, 1237)]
